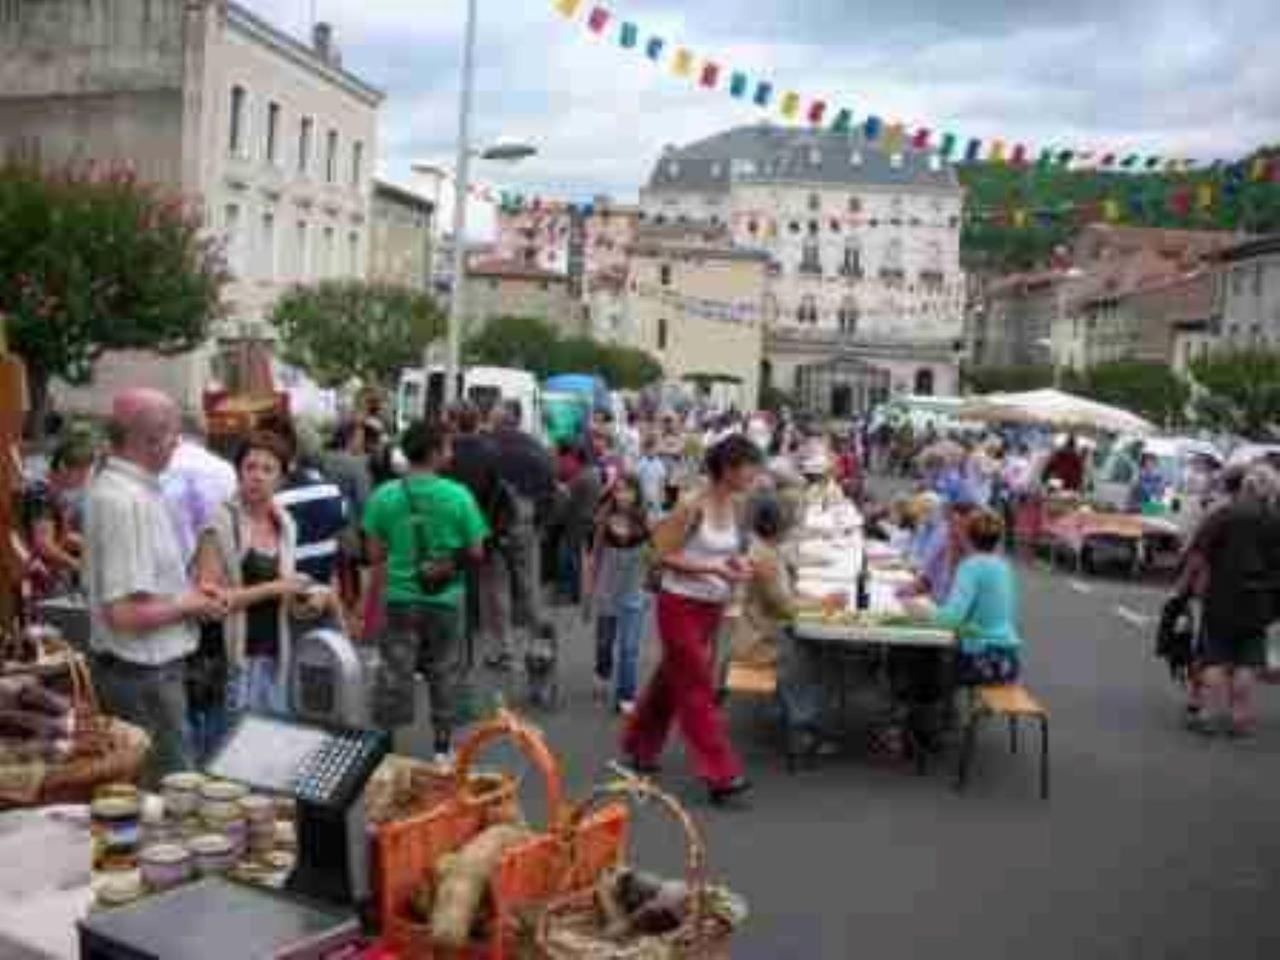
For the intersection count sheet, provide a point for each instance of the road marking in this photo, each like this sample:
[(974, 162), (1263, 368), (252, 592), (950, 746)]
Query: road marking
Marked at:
[(1080, 586), (1132, 617)]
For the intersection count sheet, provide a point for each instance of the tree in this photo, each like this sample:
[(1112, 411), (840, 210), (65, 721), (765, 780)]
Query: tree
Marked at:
[(1241, 391), (1151, 390), (91, 262), (1008, 379), (528, 343), (340, 330)]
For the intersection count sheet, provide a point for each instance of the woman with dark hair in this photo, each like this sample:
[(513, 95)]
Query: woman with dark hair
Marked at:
[(701, 547), (249, 550)]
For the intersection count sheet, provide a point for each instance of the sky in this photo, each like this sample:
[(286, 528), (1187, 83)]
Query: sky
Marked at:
[(1197, 78)]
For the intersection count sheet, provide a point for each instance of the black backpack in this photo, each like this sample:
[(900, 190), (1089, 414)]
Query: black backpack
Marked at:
[(1176, 634)]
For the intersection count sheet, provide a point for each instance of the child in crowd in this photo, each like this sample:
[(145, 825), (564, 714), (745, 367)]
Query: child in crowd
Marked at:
[(616, 576)]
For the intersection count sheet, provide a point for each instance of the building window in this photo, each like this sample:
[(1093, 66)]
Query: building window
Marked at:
[(815, 157), (855, 205), (331, 157), (1257, 279), (924, 382), (662, 333), (326, 268), (267, 247), (673, 169), (808, 310), (852, 264), (239, 99), (770, 307), (357, 163), (895, 211), (353, 254), (664, 274), (232, 236), (855, 158), (813, 228), (834, 225), (306, 134), (1237, 282), (809, 259), (815, 202), (300, 250), (273, 131), (847, 316)]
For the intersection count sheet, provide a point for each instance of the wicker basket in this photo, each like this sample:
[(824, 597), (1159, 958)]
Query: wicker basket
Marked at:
[(104, 749), (569, 928)]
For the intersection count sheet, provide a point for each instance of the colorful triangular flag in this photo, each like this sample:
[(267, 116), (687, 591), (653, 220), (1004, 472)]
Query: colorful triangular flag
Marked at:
[(817, 110), (597, 20), (710, 74), (566, 8), (790, 105), (653, 49), (629, 35), (682, 62), (764, 93), (738, 84), (843, 122)]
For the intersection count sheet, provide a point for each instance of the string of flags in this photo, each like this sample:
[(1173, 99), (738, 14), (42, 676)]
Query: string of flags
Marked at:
[(890, 136)]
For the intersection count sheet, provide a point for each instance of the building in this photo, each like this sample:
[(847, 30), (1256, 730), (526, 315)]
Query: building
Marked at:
[(501, 288), (694, 301), (536, 236), (865, 278), (273, 136), (1015, 318), (401, 231), (1248, 293)]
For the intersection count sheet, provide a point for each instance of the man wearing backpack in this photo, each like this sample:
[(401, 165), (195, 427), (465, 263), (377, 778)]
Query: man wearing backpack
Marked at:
[(426, 530)]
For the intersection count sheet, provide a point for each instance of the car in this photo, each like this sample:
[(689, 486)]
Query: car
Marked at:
[(1188, 466)]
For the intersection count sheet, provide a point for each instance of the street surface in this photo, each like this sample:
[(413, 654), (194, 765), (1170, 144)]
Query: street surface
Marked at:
[(1155, 842)]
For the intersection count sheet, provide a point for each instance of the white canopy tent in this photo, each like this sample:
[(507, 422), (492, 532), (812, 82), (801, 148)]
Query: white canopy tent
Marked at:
[(1055, 409)]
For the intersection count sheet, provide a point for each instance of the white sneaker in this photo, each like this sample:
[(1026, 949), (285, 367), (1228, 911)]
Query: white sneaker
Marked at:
[(626, 707)]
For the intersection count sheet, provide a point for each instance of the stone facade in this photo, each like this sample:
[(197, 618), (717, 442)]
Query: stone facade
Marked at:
[(693, 302), (400, 236), (271, 136), (864, 246), (500, 288), (1249, 293)]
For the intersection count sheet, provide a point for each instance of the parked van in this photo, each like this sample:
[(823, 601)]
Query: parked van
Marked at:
[(486, 387)]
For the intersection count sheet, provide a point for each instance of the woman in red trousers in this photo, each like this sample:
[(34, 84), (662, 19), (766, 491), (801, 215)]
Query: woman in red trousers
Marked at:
[(702, 548)]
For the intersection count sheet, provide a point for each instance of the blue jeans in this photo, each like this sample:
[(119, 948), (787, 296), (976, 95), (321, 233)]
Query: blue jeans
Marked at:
[(570, 569), (623, 629), (252, 687), (800, 691)]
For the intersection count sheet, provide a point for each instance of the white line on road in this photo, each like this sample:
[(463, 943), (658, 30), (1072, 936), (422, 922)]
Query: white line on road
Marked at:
[(1132, 617), (1080, 586)]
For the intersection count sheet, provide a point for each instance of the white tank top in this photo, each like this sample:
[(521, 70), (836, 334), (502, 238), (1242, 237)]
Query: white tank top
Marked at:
[(706, 543)]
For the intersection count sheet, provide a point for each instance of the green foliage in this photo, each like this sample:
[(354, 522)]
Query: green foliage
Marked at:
[(1055, 203), (92, 263), (340, 330), (1151, 390), (1008, 379), (1242, 391), (527, 343)]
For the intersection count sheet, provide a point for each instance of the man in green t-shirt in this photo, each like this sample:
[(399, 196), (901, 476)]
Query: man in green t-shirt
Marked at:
[(423, 518)]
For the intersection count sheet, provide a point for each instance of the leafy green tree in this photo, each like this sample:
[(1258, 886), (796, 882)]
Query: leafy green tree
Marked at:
[(1008, 379), (1151, 390), (1241, 391), (340, 330), (528, 343), (94, 262)]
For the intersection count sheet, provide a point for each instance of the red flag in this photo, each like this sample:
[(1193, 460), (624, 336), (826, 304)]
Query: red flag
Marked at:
[(1019, 156), (710, 73), (598, 20), (921, 139), (816, 110), (1180, 201), (1107, 159)]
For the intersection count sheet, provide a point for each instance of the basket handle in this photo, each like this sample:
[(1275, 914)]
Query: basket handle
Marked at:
[(628, 786), (507, 726)]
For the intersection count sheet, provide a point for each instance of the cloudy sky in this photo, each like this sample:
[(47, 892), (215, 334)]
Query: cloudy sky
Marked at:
[(1188, 77)]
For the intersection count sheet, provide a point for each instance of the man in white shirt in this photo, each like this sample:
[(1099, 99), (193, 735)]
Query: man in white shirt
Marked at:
[(143, 610)]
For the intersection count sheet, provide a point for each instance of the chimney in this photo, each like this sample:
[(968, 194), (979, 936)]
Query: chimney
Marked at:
[(322, 41)]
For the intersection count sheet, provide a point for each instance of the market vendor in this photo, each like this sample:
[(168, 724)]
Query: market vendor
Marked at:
[(1147, 495), (981, 606), (1066, 466)]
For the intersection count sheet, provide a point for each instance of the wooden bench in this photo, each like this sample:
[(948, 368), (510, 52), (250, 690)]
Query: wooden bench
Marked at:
[(1013, 702)]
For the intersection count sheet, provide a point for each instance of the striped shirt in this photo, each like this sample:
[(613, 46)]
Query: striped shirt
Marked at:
[(319, 511)]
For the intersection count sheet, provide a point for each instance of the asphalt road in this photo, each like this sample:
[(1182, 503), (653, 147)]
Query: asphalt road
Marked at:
[(1155, 842)]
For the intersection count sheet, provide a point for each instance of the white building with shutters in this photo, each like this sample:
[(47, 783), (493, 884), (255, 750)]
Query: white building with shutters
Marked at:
[(865, 294)]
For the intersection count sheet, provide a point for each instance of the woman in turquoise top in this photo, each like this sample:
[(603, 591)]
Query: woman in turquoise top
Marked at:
[(982, 607)]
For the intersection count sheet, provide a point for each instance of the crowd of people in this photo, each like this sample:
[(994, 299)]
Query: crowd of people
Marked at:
[(442, 548)]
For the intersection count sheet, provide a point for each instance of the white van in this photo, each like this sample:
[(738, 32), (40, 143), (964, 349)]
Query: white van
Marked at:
[(484, 386)]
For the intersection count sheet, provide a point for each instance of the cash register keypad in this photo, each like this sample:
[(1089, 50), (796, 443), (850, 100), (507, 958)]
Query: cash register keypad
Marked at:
[(322, 774)]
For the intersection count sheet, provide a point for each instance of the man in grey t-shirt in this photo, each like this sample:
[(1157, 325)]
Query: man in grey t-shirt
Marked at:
[(143, 609)]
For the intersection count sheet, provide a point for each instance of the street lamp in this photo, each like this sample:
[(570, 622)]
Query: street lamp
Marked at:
[(501, 150)]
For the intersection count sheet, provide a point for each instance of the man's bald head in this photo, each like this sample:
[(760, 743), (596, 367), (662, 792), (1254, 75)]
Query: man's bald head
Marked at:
[(144, 426)]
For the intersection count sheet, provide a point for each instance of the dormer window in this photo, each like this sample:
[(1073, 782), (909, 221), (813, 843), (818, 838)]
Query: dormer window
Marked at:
[(673, 169), (815, 157), (855, 158)]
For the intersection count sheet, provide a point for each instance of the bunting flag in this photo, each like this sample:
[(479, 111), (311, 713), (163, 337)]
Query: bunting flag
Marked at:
[(597, 20), (1020, 218), (1110, 210), (1045, 159), (1204, 196), (893, 138)]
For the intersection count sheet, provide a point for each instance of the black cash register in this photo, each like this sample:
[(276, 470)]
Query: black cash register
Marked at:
[(325, 769)]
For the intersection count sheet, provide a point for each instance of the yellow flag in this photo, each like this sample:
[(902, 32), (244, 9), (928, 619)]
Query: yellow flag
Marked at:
[(790, 104), (682, 62), (1020, 217), (997, 151), (893, 135), (1259, 169), (1110, 210), (566, 8), (1204, 196)]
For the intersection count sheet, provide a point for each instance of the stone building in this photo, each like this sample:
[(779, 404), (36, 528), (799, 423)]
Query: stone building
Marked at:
[(1249, 292), (401, 236), (501, 288), (271, 136), (865, 289), (693, 301)]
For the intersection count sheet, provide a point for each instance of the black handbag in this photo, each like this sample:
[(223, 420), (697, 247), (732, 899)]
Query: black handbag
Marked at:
[(434, 575)]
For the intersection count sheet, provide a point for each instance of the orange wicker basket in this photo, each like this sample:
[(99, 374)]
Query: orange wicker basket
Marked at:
[(527, 873), (569, 927)]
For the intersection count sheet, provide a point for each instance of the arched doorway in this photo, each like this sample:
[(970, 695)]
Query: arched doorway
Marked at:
[(924, 382)]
